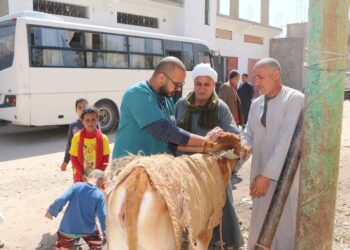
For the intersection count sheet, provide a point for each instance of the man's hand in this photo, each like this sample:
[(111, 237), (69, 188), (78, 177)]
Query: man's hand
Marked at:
[(259, 186), (48, 215), (248, 151), (213, 134), (64, 166)]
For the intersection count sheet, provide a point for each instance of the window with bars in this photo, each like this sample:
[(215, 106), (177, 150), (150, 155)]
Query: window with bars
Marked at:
[(61, 9), (137, 20), (206, 12)]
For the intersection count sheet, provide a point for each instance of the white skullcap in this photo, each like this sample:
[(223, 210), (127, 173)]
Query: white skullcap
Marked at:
[(204, 69)]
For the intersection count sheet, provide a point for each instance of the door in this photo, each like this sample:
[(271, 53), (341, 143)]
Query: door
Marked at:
[(251, 63), (232, 63)]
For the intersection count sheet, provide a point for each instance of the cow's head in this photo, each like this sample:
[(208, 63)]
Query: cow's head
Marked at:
[(224, 142)]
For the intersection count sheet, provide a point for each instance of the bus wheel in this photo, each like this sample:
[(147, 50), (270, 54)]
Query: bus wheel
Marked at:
[(107, 116)]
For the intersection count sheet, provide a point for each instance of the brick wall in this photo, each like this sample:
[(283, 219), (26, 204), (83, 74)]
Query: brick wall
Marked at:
[(289, 53)]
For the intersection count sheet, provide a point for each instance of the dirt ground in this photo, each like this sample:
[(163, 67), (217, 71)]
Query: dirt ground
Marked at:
[(30, 179)]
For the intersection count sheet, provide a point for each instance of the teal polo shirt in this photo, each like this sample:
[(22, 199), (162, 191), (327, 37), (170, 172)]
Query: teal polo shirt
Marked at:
[(141, 105)]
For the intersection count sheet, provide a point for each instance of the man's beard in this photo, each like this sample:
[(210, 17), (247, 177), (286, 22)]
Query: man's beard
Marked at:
[(163, 91)]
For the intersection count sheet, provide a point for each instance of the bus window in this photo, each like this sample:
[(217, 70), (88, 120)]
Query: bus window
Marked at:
[(99, 41), (50, 37), (145, 53), (102, 44), (145, 45), (106, 60), (188, 59), (57, 58), (7, 41), (144, 61), (173, 48), (201, 54), (50, 47)]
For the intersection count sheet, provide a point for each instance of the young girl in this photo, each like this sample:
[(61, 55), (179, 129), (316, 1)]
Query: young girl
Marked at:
[(89, 148)]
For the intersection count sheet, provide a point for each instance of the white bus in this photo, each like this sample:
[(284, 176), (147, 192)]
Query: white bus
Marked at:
[(46, 64)]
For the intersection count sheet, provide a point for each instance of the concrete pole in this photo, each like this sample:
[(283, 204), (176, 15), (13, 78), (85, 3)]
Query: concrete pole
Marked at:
[(265, 12), (234, 8), (326, 64)]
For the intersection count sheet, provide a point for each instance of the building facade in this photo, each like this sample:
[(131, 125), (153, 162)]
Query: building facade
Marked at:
[(236, 43)]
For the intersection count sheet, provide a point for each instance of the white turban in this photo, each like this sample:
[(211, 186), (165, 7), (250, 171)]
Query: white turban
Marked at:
[(204, 69)]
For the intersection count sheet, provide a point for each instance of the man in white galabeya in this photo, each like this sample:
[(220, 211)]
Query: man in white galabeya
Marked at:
[(272, 119)]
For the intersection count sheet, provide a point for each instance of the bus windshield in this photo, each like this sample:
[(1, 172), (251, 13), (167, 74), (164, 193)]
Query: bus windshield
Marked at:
[(7, 41)]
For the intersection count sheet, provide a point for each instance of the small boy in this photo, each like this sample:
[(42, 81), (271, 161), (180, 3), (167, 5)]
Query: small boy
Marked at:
[(89, 148), (86, 201), (74, 127)]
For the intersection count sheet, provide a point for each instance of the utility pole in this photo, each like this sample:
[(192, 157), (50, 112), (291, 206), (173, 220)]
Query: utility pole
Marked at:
[(325, 71)]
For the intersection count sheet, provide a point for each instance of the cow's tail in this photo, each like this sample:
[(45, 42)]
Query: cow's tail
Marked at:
[(136, 187)]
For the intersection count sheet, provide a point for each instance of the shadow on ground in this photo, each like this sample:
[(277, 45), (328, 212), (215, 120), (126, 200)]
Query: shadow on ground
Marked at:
[(17, 142), (47, 242)]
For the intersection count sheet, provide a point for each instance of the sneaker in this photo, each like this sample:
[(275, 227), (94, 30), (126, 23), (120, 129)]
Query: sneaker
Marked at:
[(78, 242)]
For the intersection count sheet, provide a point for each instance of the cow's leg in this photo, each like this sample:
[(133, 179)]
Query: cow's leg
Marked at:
[(203, 240), (154, 226), (116, 233)]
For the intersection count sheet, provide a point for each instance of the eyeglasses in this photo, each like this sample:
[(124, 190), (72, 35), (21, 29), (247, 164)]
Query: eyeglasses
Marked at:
[(178, 85)]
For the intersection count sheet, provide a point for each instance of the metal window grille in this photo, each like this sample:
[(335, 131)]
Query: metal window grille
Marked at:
[(137, 20), (62, 9)]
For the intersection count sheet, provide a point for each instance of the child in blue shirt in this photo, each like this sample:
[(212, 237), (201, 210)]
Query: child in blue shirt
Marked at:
[(86, 201)]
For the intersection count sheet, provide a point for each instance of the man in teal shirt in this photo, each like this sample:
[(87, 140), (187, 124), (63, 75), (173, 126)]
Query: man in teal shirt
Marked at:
[(147, 123)]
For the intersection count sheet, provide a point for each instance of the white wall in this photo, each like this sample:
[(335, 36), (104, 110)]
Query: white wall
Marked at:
[(237, 47), (104, 12), (194, 25)]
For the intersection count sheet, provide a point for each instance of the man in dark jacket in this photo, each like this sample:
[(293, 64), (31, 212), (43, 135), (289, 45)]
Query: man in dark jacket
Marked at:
[(245, 93)]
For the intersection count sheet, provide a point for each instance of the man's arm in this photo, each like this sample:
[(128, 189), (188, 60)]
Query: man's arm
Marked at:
[(66, 153), (187, 142), (164, 130), (59, 203), (223, 93), (101, 214)]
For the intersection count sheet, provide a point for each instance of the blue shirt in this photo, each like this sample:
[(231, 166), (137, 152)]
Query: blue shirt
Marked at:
[(141, 106), (85, 202)]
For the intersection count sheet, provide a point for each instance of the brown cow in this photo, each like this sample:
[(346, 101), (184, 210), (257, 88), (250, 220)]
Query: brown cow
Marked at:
[(163, 202)]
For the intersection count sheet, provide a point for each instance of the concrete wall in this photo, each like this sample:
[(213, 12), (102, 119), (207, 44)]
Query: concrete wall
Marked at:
[(4, 7), (289, 53)]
